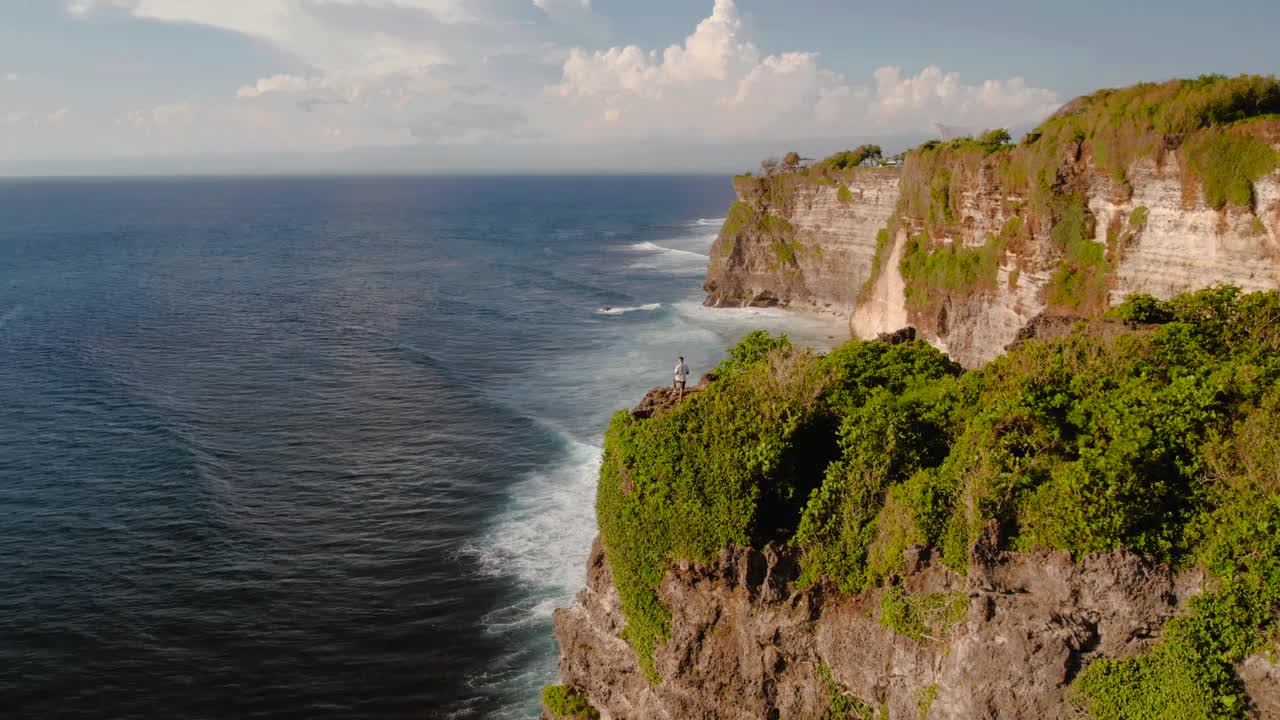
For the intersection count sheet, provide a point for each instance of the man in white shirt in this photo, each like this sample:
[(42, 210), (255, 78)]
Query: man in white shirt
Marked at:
[(680, 376)]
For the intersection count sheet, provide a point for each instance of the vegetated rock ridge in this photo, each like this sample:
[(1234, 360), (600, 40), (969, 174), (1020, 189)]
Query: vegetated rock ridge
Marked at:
[(744, 646), (1150, 212)]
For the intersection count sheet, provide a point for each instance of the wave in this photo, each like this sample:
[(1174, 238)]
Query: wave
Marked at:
[(543, 536), (709, 221), (821, 332), (655, 248), (623, 310)]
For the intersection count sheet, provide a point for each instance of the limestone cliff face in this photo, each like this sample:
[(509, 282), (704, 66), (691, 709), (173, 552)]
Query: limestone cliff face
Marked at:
[(745, 646), (808, 263), (1159, 235)]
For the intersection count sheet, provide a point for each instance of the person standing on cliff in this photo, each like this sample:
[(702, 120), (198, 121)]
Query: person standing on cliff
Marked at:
[(680, 376)]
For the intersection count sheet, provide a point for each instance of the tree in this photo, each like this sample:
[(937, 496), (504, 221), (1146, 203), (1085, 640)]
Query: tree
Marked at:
[(995, 138), (769, 166), (792, 160)]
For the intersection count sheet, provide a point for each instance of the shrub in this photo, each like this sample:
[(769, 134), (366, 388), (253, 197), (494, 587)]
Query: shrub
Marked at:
[(921, 617), (729, 466), (1082, 281), (840, 704), (848, 159), (995, 139), (565, 702), (1228, 163)]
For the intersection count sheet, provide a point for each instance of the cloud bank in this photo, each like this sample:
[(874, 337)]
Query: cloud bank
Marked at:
[(378, 73)]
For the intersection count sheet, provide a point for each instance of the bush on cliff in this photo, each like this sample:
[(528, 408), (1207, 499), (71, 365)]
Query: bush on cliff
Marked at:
[(729, 466), (1159, 433), (566, 702)]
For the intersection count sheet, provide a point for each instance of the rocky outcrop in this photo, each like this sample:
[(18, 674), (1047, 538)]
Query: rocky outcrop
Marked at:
[(829, 239), (661, 400), (1160, 236), (744, 644)]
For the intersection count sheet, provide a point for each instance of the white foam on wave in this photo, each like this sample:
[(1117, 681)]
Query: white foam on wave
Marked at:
[(656, 248), (717, 222), (543, 537), (821, 332), (671, 259), (624, 310)]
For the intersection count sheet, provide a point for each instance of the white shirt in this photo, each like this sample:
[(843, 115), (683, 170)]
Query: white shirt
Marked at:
[(681, 372)]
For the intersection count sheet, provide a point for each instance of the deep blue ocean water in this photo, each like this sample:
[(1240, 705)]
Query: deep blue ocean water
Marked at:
[(307, 448)]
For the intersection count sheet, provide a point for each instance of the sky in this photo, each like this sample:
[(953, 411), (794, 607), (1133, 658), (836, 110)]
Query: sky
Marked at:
[(178, 86)]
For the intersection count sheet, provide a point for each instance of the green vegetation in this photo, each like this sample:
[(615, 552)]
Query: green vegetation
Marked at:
[(934, 274), (566, 702), (1228, 163), (884, 247), (928, 694), (773, 194), (1160, 435), (785, 251), (1224, 126), (1082, 281), (730, 466), (848, 160), (921, 617), (841, 705), (745, 217)]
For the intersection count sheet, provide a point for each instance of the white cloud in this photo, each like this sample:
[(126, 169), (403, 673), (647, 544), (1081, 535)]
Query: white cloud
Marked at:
[(160, 117), (717, 84), (568, 10), (12, 77), (281, 83), (449, 72), (33, 120), (314, 31)]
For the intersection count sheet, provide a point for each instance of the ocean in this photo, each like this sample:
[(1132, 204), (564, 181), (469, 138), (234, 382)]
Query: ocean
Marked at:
[(323, 447)]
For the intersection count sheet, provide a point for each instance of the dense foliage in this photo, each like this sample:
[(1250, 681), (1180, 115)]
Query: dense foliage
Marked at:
[(566, 702), (1157, 430)]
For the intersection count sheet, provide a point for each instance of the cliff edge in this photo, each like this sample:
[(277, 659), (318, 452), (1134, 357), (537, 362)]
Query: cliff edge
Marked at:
[(1156, 189), (1087, 527)]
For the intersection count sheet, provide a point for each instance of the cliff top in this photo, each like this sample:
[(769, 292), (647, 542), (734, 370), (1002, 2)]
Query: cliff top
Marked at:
[(1155, 431)]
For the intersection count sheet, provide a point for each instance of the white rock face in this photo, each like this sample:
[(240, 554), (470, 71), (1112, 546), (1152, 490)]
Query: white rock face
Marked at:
[(1182, 244), (1188, 248), (883, 310), (834, 244)]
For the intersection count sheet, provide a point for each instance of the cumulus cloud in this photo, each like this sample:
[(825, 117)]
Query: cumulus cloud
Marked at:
[(449, 72), (717, 83), (280, 83)]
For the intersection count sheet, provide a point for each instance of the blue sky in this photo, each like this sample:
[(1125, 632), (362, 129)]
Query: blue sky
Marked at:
[(449, 85)]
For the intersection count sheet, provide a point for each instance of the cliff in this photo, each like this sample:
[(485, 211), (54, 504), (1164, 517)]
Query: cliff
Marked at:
[(1084, 528), (801, 247), (1005, 642), (1156, 189)]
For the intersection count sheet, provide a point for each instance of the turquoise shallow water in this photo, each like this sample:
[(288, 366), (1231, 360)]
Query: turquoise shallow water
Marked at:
[(322, 447)]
